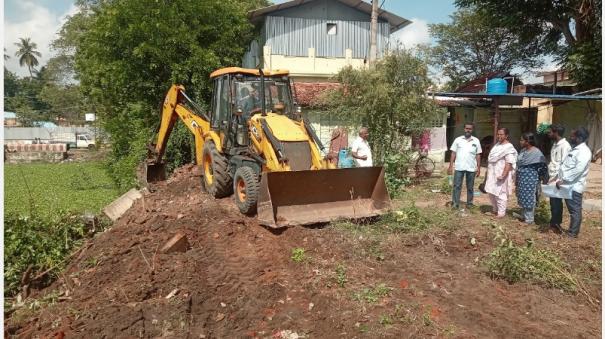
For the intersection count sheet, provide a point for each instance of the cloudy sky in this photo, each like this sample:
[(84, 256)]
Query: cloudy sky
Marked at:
[(40, 20)]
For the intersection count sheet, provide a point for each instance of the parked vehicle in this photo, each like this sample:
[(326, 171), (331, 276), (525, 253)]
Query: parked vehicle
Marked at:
[(74, 140)]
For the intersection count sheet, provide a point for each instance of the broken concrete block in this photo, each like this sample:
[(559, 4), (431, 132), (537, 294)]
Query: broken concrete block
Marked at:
[(119, 206), (178, 243)]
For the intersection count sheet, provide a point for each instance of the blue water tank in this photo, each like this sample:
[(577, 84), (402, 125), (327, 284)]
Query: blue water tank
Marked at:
[(345, 160), (497, 86)]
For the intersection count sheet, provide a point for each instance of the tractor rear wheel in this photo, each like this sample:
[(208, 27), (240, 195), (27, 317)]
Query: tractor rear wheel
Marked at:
[(215, 172), (246, 188)]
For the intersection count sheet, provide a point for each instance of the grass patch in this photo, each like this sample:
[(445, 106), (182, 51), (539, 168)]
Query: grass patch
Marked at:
[(298, 255), (46, 189), (404, 220), (373, 294), (515, 263)]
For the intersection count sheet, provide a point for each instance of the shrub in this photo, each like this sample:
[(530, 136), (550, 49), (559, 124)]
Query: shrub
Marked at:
[(42, 243), (396, 172), (526, 263)]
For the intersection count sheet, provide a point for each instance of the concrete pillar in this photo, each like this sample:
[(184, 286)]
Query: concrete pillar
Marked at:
[(348, 56), (312, 58), (267, 57)]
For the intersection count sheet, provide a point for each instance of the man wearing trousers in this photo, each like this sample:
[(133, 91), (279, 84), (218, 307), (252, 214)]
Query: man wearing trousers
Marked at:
[(573, 172), (466, 163), (558, 152)]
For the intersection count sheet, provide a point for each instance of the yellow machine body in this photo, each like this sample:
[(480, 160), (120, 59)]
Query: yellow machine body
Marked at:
[(270, 159)]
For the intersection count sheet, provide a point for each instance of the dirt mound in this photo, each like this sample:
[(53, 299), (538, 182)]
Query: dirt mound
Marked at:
[(237, 279)]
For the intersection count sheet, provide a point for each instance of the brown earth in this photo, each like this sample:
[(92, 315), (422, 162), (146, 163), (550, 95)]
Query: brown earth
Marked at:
[(237, 279)]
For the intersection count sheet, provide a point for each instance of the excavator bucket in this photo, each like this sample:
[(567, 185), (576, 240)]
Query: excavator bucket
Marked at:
[(309, 197), (155, 172)]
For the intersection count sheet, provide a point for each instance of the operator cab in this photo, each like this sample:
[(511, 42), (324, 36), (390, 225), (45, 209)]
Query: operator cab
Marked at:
[(248, 98)]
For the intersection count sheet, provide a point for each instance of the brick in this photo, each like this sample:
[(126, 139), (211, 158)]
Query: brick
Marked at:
[(178, 243)]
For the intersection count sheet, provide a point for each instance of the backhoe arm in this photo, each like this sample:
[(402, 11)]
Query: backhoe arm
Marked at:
[(174, 107)]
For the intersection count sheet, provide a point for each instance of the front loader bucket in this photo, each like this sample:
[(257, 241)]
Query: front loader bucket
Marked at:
[(309, 197)]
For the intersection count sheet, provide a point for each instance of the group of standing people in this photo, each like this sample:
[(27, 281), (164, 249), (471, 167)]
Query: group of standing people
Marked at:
[(524, 170)]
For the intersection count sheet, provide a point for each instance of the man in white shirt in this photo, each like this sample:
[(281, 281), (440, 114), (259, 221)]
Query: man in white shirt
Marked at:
[(466, 161), (558, 152), (360, 149), (573, 172)]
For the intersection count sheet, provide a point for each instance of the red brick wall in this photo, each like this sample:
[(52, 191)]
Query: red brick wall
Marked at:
[(308, 92)]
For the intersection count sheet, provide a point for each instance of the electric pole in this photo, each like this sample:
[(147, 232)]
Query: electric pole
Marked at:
[(373, 32)]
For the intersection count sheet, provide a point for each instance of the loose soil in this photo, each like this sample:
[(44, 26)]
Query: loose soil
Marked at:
[(237, 279)]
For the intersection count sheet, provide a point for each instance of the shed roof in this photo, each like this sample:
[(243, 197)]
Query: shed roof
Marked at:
[(249, 71), (395, 22), (10, 115)]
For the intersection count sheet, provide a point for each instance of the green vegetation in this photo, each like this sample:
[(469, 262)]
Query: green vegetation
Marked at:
[(515, 263), (298, 255), (388, 98), (568, 30), (46, 189), (39, 243), (372, 294), (42, 223), (341, 275), (457, 55), (129, 53)]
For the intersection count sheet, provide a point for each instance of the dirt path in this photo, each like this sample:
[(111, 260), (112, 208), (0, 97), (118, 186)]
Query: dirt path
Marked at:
[(238, 280)]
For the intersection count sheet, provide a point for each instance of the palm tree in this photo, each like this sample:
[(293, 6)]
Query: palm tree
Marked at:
[(27, 54)]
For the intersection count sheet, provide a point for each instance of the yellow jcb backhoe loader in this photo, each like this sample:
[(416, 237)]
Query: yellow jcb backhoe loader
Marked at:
[(255, 143)]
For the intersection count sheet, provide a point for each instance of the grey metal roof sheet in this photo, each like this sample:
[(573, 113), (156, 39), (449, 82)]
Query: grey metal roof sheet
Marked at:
[(395, 22)]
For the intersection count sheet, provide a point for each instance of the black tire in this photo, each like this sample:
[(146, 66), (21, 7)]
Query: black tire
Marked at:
[(246, 188), (91, 147), (215, 172)]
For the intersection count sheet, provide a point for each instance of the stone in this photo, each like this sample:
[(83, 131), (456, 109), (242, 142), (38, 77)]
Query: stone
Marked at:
[(178, 243)]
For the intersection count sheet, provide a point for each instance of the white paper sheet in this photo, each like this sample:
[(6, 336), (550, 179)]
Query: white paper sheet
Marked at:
[(552, 191)]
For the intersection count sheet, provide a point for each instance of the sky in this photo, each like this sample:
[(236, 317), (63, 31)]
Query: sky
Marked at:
[(42, 19)]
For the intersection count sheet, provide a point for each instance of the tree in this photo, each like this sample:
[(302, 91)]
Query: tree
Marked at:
[(128, 53), (471, 46), (27, 54), (568, 29), (389, 99)]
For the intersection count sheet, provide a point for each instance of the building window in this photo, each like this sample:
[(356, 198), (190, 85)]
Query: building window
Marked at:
[(331, 29)]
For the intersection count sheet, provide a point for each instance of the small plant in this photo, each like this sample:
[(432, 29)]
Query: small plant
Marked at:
[(385, 320), (298, 255), (341, 275), (542, 215), (372, 295), (426, 319), (446, 186), (375, 251)]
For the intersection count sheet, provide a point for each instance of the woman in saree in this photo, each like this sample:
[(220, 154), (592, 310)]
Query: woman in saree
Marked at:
[(500, 167), (531, 168)]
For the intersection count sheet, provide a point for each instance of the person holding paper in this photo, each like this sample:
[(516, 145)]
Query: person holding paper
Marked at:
[(558, 152), (573, 172), (499, 180), (531, 169)]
